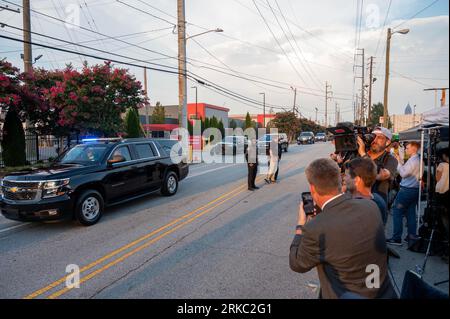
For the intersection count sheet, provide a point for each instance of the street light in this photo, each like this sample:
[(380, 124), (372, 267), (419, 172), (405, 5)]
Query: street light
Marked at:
[(196, 111), (196, 35), (386, 75), (182, 79), (264, 109)]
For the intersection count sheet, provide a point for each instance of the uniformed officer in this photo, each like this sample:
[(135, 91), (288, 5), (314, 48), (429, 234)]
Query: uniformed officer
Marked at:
[(251, 156)]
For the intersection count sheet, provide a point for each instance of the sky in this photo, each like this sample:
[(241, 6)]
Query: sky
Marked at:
[(267, 46)]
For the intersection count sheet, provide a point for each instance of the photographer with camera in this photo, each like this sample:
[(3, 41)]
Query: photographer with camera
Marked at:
[(342, 236), (385, 161)]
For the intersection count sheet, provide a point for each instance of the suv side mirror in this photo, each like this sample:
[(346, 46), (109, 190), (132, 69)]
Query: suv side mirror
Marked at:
[(116, 159)]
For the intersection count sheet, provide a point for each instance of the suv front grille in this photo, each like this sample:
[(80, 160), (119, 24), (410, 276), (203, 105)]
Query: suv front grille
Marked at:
[(20, 190)]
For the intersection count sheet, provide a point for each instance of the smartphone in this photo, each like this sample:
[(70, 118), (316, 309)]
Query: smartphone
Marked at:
[(308, 203)]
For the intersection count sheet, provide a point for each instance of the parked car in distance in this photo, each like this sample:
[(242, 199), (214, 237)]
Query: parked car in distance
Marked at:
[(231, 145), (320, 137), (265, 140), (84, 180), (305, 138)]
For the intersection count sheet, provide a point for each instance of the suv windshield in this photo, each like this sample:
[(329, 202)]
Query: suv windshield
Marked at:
[(306, 134), (320, 134), (84, 154)]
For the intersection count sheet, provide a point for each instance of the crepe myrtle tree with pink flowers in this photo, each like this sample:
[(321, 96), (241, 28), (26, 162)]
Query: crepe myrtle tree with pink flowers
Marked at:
[(92, 101)]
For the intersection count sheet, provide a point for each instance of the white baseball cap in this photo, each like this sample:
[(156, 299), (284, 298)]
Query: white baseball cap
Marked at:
[(383, 131)]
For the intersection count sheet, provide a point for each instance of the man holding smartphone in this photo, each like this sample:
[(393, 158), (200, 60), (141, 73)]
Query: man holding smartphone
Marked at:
[(343, 241)]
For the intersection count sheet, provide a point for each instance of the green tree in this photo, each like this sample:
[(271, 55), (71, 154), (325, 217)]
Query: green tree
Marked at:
[(159, 114), (248, 121), (214, 123), (286, 122), (233, 124), (13, 142), (132, 124), (376, 113), (221, 127)]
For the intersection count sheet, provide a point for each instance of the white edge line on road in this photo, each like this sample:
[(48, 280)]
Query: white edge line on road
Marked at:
[(212, 170), (13, 227)]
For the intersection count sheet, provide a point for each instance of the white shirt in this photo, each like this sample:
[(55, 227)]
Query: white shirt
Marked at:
[(323, 206), (442, 185)]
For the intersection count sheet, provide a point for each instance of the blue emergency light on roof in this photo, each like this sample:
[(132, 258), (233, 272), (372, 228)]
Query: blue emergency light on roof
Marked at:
[(97, 139)]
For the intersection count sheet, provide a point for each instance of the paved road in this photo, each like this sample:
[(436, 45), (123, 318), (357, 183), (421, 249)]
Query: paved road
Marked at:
[(213, 239)]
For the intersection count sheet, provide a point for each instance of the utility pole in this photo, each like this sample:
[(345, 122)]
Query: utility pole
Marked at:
[(27, 54), (327, 86), (146, 105), (386, 72), (386, 78), (362, 89), (335, 114), (414, 116), (295, 97), (369, 109), (316, 114), (182, 81), (361, 109)]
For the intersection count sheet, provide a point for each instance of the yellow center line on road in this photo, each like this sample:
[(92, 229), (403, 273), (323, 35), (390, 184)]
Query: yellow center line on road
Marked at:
[(125, 247), (39, 292)]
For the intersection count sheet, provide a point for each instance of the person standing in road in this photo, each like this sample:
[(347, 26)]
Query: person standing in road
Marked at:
[(273, 160), (251, 156), (406, 200), (280, 150)]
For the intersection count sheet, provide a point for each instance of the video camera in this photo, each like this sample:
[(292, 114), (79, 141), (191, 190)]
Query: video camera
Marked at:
[(345, 137)]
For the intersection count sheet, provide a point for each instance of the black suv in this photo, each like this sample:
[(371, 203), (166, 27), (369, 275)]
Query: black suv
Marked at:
[(92, 175)]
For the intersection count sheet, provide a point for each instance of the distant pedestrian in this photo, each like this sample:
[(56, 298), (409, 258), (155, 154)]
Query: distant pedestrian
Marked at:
[(280, 150), (273, 161), (251, 156)]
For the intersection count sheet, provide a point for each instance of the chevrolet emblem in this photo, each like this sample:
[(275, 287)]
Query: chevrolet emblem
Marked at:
[(13, 189)]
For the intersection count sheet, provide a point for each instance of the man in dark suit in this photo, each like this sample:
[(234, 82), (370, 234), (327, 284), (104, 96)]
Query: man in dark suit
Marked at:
[(345, 240), (251, 156)]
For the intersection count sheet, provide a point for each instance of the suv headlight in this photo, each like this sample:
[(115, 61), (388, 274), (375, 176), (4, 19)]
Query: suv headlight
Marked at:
[(54, 188)]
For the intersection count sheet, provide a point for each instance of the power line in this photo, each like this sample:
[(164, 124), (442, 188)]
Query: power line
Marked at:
[(278, 42), (287, 38), (86, 29), (416, 14), (198, 79), (147, 13)]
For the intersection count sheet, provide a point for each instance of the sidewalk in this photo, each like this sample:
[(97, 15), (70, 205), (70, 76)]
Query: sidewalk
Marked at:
[(436, 268)]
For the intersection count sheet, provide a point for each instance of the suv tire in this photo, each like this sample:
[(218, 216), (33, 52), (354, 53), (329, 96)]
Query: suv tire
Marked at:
[(89, 207), (170, 184)]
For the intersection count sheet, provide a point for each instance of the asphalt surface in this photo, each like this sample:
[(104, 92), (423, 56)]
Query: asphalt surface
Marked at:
[(213, 239), (233, 243)]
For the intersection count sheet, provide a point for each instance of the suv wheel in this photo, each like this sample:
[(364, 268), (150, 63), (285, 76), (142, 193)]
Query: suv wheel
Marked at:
[(170, 184), (89, 207)]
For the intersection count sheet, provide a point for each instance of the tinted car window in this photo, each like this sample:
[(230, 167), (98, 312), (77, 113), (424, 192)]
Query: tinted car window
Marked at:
[(144, 150), (84, 154), (122, 151)]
